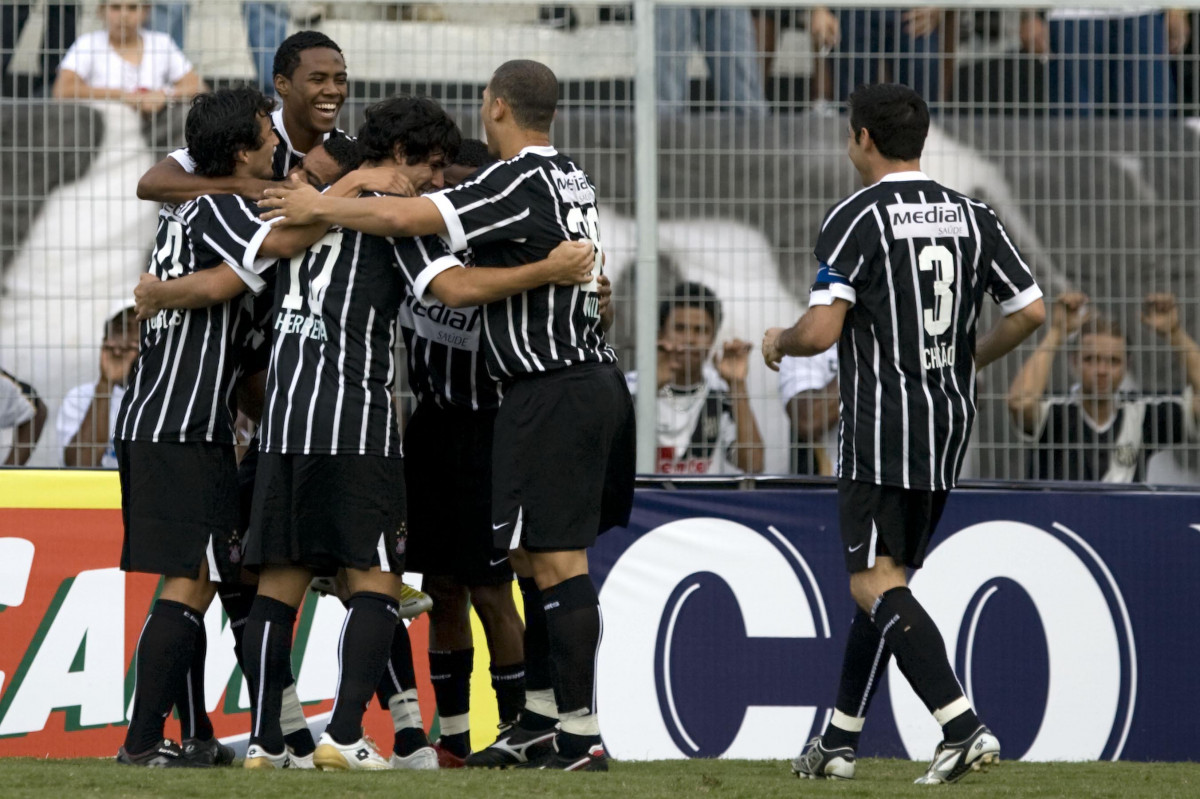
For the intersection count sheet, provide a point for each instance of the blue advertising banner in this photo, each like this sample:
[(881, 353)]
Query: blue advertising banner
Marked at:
[(1067, 616)]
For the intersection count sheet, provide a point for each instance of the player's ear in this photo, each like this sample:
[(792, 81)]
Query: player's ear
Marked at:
[(283, 86), (398, 153)]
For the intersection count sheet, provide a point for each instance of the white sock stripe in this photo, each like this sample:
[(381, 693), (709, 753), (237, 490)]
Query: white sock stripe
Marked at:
[(262, 679), (191, 701), (395, 680), (844, 721), (596, 657), (862, 706), (341, 642), (943, 715), (136, 651)]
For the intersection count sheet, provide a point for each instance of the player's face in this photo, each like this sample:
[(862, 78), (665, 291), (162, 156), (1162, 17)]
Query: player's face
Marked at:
[(261, 161), (316, 91), (123, 19), (318, 168), (686, 338), (426, 175), (1101, 364), (121, 349)]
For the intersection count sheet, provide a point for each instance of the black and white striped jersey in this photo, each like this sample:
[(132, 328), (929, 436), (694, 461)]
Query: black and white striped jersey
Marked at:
[(181, 388), (446, 360), (915, 259), (515, 212), (332, 368)]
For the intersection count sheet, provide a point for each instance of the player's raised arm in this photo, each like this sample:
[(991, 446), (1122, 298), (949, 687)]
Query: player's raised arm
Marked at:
[(169, 182), (815, 332), (197, 290), (568, 264), (379, 216)]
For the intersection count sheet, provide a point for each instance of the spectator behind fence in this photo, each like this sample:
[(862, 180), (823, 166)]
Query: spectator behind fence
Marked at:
[(89, 411), (725, 37), (878, 45), (1097, 432), (705, 425), (266, 28), (33, 39), (22, 410), (125, 62), (1110, 59), (809, 389)]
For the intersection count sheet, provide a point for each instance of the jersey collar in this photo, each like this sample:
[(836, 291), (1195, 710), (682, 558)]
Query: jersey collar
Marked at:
[(897, 177), (546, 150), (281, 131)]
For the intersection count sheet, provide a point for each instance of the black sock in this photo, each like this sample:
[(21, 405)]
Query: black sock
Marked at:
[(268, 653), (574, 623), (921, 655), (366, 643), (863, 665), (163, 657), (539, 669), (450, 673), (193, 717), (237, 601), (509, 684), (400, 680)]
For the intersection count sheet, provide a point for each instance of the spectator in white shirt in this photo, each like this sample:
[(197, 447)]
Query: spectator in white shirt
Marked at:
[(89, 411), (809, 389), (23, 411), (126, 62)]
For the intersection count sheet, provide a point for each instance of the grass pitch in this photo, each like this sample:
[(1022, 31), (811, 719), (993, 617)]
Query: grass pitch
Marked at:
[(22, 778)]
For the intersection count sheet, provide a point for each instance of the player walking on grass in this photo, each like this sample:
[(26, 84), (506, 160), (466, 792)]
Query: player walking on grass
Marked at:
[(563, 453), (904, 264)]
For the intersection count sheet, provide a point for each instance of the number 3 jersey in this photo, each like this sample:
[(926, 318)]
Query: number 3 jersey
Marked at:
[(332, 366), (515, 212), (181, 388), (915, 259)]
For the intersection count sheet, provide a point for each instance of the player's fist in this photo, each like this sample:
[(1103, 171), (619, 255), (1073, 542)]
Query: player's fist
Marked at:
[(1160, 314), (733, 360), (145, 302), (1070, 311), (571, 263), (770, 348)]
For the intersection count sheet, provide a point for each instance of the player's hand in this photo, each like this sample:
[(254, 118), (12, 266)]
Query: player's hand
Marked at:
[(604, 289), (385, 180), (733, 360), (1070, 311), (1160, 314), (770, 348), (824, 28), (149, 102), (115, 363), (145, 297), (920, 22), (1179, 30), (292, 202), (571, 263)]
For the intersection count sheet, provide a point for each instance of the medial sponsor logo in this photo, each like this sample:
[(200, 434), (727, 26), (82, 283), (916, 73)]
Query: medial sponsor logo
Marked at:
[(927, 220), (453, 327), (573, 187)]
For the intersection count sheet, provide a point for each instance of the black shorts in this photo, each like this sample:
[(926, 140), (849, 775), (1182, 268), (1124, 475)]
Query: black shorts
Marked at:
[(886, 520), (564, 460), (325, 512), (448, 479), (179, 506)]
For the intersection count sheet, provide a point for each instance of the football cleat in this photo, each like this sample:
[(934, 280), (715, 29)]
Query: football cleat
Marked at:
[(423, 759), (446, 758), (167, 754), (513, 746), (207, 753), (362, 755), (299, 761), (260, 759), (596, 759), (818, 763), (413, 602), (952, 761)]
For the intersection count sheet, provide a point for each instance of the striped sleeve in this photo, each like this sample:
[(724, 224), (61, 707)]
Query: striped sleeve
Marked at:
[(226, 229), (421, 260), (1008, 278), (498, 205)]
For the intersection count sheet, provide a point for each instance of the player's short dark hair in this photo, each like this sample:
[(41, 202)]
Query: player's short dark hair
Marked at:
[(418, 124), (531, 91), (474, 153), (691, 295), (222, 124), (287, 57), (123, 322), (345, 151), (896, 116)]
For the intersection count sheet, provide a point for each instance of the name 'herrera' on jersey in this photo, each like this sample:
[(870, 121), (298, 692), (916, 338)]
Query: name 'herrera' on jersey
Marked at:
[(927, 220)]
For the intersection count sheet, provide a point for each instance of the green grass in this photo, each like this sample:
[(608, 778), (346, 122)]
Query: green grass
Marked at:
[(697, 779)]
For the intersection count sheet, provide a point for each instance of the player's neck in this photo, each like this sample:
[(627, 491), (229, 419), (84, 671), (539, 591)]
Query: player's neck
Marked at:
[(1099, 409), (302, 138), (881, 168), (512, 145)]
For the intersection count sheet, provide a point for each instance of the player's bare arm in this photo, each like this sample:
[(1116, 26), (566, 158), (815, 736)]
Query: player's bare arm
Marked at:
[(1010, 331), (815, 332), (197, 290), (1161, 314), (1070, 311), (168, 182), (568, 264), (290, 241), (378, 216)]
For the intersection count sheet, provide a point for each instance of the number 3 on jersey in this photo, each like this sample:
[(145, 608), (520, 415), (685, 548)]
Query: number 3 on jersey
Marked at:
[(939, 260), (587, 224)]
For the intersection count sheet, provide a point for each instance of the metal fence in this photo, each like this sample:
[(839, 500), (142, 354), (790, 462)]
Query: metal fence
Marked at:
[(1078, 124)]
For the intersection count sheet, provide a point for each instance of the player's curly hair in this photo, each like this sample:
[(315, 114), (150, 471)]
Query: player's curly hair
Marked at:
[(287, 56), (474, 152), (418, 124), (531, 91), (896, 116), (222, 124), (345, 151)]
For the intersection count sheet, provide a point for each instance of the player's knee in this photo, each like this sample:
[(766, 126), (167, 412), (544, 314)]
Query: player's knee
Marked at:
[(494, 603)]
